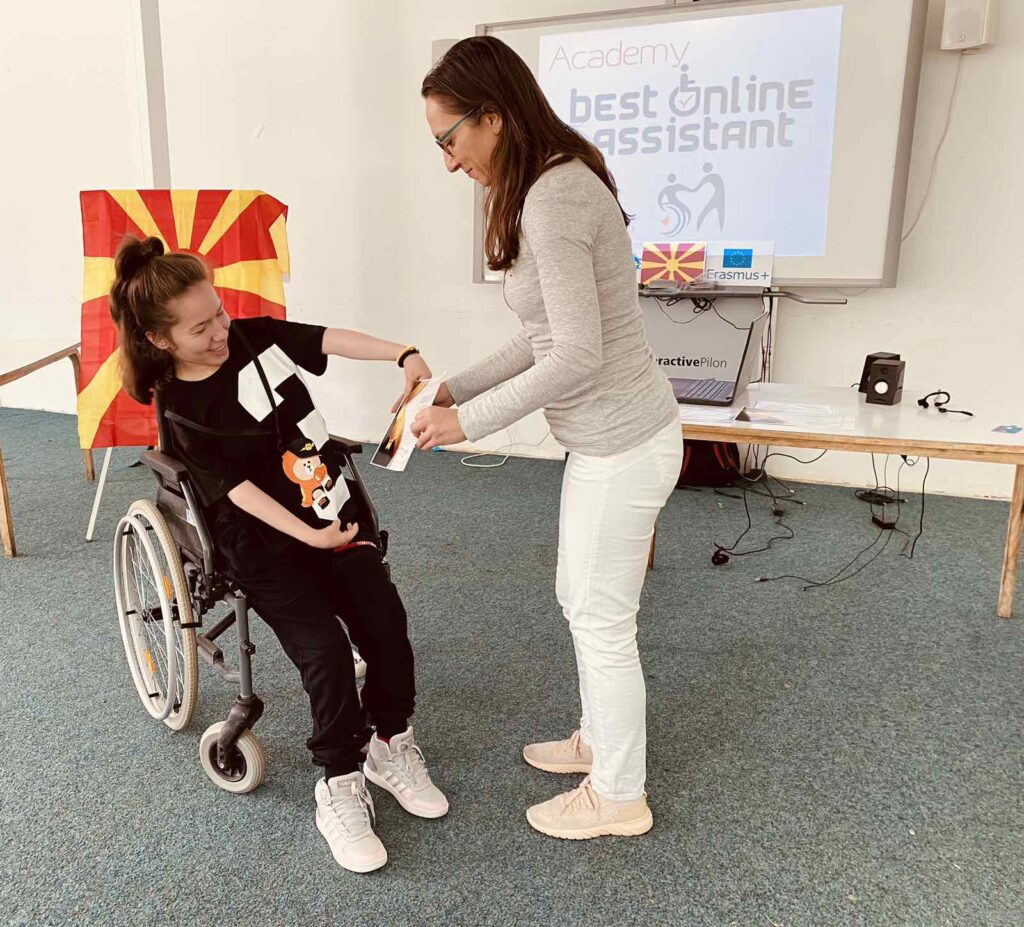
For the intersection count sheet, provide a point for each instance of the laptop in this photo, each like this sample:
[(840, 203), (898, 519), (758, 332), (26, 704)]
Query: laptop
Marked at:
[(711, 392)]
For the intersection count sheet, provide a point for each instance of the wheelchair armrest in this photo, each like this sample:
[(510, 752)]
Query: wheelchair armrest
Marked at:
[(345, 446), (169, 469)]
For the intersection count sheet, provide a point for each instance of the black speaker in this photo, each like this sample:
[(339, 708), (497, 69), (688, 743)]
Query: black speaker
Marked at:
[(885, 382), (868, 361)]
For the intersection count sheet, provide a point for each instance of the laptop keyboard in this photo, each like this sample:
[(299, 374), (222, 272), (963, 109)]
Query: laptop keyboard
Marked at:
[(709, 389)]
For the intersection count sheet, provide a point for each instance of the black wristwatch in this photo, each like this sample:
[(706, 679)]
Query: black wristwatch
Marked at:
[(406, 354)]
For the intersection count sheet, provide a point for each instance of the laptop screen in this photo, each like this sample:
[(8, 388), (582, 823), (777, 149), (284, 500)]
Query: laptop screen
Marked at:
[(751, 353)]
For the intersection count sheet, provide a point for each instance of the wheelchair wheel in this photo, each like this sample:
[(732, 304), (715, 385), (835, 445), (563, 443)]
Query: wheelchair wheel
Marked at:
[(153, 603), (247, 768)]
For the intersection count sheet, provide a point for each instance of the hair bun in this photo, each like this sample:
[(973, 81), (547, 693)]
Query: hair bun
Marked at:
[(153, 247), (134, 254)]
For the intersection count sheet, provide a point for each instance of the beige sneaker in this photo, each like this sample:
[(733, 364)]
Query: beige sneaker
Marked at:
[(560, 756), (582, 814)]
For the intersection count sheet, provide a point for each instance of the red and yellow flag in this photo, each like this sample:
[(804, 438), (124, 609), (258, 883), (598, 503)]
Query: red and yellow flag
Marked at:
[(240, 233), (676, 261)]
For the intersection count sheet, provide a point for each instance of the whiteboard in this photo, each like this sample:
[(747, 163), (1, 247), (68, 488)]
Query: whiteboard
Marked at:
[(788, 121)]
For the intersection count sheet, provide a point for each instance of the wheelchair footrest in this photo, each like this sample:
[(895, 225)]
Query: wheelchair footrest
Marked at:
[(212, 654)]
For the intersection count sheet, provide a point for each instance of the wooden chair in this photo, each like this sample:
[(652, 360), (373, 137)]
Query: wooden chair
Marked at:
[(18, 359)]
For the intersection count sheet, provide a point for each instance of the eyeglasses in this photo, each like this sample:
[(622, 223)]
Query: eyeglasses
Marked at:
[(444, 141)]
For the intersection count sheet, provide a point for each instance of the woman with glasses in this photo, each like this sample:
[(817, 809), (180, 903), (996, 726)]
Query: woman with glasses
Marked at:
[(555, 227)]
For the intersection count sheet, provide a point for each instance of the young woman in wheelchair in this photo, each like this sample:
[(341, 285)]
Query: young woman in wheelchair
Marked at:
[(285, 530)]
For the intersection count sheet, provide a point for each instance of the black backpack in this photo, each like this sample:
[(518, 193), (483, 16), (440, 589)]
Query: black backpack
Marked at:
[(709, 463)]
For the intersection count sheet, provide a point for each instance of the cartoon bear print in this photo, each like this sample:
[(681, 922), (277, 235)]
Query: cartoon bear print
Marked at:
[(303, 466)]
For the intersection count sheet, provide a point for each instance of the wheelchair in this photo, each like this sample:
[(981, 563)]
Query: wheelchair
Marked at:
[(166, 581)]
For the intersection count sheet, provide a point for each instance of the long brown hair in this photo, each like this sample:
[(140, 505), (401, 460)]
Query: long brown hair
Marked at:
[(482, 75), (146, 281)]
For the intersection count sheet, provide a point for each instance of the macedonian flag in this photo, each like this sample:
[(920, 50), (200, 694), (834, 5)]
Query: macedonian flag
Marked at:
[(676, 261), (240, 233)]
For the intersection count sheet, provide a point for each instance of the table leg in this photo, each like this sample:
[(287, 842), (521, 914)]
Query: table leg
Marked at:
[(6, 524), (90, 467), (1012, 554)]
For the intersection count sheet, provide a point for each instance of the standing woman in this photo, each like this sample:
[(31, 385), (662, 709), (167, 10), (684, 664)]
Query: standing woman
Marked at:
[(555, 226)]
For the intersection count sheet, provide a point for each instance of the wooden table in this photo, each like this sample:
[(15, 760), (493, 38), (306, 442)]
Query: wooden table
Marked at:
[(905, 428), (18, 359)]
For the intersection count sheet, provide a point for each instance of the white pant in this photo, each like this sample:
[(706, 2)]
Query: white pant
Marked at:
[(608, 511)]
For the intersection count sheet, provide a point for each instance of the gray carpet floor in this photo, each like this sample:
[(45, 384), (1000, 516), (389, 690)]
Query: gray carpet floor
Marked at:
[(841, 756)]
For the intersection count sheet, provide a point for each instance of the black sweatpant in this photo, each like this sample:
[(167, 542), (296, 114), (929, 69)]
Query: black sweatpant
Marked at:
[(301, 596)]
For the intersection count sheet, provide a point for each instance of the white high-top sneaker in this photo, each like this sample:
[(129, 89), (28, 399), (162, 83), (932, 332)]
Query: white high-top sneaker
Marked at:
[(399, 767), (344, 815)]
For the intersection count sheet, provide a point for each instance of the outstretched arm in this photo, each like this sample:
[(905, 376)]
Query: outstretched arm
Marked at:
[(511, 359), (354, 345)]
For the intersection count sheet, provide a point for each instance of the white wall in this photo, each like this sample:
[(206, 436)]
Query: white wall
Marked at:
[(69, 105), (955, 314), (320, 107), (380, 234)]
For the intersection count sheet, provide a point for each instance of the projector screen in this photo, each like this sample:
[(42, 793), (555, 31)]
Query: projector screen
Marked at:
[(785, 121)]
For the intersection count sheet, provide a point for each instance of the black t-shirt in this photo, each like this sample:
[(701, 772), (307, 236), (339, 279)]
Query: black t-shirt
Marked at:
[(225, 431)]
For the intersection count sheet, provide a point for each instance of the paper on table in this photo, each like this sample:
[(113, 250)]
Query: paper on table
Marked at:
[(695, 413), (801, 408), (399, 442), (803, 421)]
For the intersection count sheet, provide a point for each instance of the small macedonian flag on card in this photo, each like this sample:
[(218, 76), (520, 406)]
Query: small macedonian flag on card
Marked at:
[(679, 262)]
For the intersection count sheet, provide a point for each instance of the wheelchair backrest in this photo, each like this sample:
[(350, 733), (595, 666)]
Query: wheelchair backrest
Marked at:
[(184, 519)]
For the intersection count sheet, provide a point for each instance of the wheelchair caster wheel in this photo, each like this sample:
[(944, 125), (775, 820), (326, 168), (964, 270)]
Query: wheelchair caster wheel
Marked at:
[(244, 770)]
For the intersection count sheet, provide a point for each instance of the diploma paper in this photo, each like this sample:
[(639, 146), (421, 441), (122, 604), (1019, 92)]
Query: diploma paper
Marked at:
[(399, 443)]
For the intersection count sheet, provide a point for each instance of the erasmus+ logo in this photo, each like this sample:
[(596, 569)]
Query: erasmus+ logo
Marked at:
[(738, 257)]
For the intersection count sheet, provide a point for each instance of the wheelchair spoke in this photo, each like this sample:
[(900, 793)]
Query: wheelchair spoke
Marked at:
[(155, 615), (137, 601), (154, 654), (179, 655)]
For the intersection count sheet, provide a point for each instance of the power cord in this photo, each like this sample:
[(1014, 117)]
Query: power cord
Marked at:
[(739, 328), (470, 460), (722, 553), (700, 306), (938, 150), (768, 339), (920, 525), (838, 576)]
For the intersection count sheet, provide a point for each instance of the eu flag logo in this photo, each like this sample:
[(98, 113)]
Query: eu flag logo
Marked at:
[(738, 257)]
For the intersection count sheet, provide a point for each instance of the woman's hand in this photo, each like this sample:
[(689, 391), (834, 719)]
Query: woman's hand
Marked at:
[(416, 369), (435, 426), (332, 537), (444, 398)]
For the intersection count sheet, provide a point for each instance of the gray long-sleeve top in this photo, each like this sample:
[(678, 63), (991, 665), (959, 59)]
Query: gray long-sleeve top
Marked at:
[(582, 355)]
